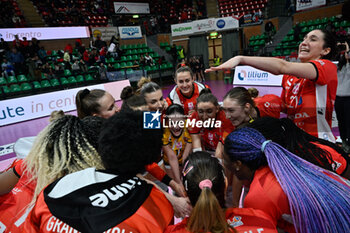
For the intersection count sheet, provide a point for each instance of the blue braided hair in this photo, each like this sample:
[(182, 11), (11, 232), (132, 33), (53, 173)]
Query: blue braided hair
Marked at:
[(319, 200)]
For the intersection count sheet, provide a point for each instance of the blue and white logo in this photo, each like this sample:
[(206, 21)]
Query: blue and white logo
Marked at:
[(151, 120), (220, 23), (130, 31), (242, 75)]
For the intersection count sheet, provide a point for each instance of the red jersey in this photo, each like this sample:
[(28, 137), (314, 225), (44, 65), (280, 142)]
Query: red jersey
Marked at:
[(269, 105), (13, 205), (212, 136), (92, 201), (340, 162), (155, 171), (243, 220), (266, 194), (310, 102), (188, 103)]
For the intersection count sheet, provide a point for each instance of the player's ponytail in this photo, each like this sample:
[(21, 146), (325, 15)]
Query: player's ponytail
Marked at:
[(207, 215), (205, 186)]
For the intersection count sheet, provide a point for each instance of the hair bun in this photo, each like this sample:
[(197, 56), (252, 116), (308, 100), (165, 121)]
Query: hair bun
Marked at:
[(126, 93)]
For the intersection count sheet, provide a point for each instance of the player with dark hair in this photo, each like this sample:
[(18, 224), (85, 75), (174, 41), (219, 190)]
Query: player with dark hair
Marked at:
[(209, 138), (152, 93), (177, 143), (315, 150), (309, 87), (204, 181), (96, 102), (186, 90), (297, 195)]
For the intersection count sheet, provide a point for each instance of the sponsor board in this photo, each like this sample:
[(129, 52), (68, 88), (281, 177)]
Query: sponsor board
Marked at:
[(181, 29), (37, 106), (204, 25), (6, 149), (131, 8), (247, 75), (130, 32), (45, 33), (105, 33), (308, 4), (226, 23), (252, 19)]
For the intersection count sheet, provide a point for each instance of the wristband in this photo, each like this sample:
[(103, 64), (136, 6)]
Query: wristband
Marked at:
[(197, 149), (166, 179)]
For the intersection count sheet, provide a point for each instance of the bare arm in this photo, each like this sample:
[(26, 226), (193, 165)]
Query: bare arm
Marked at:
[(237, 186), (196, 141), (187, 151), (219, 151), (181, 205), (272, 65), (8, 180), (173, 161)]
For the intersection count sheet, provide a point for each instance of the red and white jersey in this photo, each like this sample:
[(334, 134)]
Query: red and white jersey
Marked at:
[(188, 103), (13, 205), (340, 164), (243, 220), (269, 105), (99, 201), (212, 136), (310, 102)]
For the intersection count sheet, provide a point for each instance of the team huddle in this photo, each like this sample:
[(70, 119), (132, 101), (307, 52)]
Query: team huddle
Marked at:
[(103, 171)]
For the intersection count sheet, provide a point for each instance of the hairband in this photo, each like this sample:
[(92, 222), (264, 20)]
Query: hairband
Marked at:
[(264, 145), (251, 119), (205, 184), (84, 93), (186, 170)]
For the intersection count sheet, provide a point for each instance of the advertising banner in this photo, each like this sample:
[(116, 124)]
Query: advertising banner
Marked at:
[(36, 106), (131, 8), (308, 4), (45, 33), (181, 29), (204, 25), (252, 19), (226, 23), (247, 75), (105, 33), (130, 32)]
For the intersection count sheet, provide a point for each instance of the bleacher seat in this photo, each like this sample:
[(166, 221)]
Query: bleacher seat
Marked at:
[(11, 79), (72, 80), (80, 78), (22, 78), (36, 85), (89, 77), (3, 81), (15, 88), (64, 81), (54, 82), (26, 87)]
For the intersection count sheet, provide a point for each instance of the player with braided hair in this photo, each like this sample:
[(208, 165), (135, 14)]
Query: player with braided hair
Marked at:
[(66, 145), (297, 195), (318, 151), (110, 200)]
